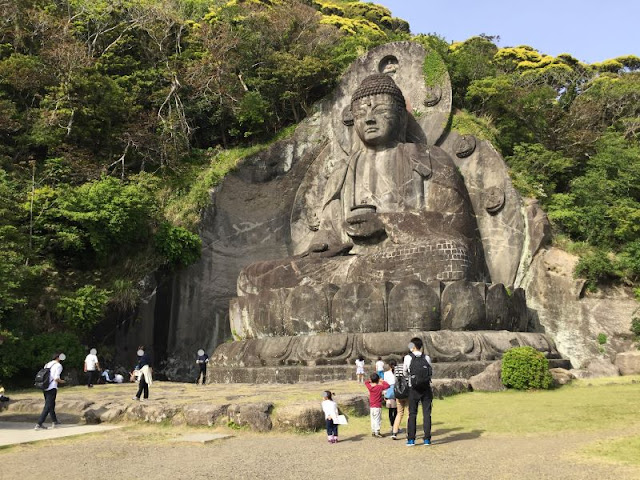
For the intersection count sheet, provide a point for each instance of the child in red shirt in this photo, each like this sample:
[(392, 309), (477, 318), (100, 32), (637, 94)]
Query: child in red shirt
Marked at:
[(376, 387)]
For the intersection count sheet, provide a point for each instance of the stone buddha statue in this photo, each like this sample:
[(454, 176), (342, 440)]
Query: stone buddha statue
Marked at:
[(389, 239), (391, 211)]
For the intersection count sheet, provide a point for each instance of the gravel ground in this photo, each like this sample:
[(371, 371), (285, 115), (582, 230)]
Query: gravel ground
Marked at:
[(146, 452)]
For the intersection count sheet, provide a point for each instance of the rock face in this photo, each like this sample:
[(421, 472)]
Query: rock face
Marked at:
[(573, 317), (628, 362), (322, 239)]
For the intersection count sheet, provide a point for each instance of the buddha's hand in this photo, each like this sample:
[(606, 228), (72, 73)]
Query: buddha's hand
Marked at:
[(364, 226)]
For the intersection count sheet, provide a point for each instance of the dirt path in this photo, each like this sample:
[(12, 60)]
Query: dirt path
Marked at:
[(147, 452)]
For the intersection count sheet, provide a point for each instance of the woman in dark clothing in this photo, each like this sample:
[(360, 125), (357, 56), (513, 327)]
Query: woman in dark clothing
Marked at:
[(142, 373)]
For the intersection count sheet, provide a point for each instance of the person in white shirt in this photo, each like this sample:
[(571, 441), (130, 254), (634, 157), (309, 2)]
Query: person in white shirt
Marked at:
[(417, 395), (51, 391), (91, 367), (389, 393), (380, 367), (330, 409), (360, 369)]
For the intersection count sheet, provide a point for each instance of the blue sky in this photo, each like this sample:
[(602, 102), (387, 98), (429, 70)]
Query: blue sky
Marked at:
[(590, 30)]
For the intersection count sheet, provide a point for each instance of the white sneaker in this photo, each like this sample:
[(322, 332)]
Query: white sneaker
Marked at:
[(40, 427)]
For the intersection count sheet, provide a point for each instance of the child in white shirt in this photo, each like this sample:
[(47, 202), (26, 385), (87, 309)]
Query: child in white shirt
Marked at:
[(360, 369), (330, 409)]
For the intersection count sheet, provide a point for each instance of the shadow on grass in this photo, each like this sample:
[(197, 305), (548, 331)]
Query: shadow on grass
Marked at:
[(354, 438), (457, 437)]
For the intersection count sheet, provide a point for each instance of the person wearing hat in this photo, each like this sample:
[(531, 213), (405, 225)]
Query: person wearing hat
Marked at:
[(91, 367), (201, 360), (51, 391)]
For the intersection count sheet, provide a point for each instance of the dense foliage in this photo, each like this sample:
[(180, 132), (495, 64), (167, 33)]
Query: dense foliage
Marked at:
[(525, 368), (118, 117)]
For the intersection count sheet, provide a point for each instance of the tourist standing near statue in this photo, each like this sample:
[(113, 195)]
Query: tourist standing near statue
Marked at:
[(330, 409), (142, 372), (91, 367), (417, 365), (51, 391), (376, 387), (380, 367), (201, 360), (360, 369), (389, 393), (401, 403)]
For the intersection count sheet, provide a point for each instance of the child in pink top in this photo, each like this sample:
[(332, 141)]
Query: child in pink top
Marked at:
[(376, 387)]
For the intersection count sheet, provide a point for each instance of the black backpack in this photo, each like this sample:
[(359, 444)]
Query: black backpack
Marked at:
[(42, 379), (420, 372), (401, 387)]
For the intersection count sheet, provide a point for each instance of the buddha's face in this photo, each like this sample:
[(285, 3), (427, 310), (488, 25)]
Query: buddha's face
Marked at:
[(377, 119)]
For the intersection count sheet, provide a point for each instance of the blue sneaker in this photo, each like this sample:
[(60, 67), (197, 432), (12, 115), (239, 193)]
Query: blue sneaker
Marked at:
[(411, 443), (427, 441)]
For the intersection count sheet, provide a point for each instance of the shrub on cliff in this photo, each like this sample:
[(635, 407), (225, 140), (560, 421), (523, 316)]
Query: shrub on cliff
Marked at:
[(525, 368)]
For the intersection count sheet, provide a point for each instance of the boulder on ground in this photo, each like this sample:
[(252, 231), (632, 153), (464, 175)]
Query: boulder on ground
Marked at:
[(92, 416), (628, 362), (561, 376), (445, 387), (204, 413), (490, 380), (302, 416), (601, 367), (151, 413), (254, 415), (357, 405)]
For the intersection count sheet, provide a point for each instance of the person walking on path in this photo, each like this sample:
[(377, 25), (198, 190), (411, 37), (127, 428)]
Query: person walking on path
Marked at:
[(389, 394), (401, 403), (375, 387), (91, 367), (143, 372), (330, 409), (201, 360), (417, 366), (360, 369), (51, 391)]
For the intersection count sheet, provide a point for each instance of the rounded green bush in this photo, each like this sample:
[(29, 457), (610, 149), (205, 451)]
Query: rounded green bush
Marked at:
[(525, 368)]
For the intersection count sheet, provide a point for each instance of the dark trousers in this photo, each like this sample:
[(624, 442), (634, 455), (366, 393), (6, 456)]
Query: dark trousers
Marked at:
[(415, 398), (92, 376), (203, 372), (49, 406), (332, 428), (393, 413), (143, 386)]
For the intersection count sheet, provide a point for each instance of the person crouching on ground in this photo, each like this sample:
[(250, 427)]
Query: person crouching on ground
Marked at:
[(417, 366), (376, 387), (330, 409)]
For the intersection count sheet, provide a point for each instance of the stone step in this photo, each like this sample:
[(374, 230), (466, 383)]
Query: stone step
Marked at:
[(320, 373)]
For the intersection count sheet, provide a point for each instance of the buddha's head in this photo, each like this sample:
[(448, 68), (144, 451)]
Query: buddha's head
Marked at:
[(379, 111)]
